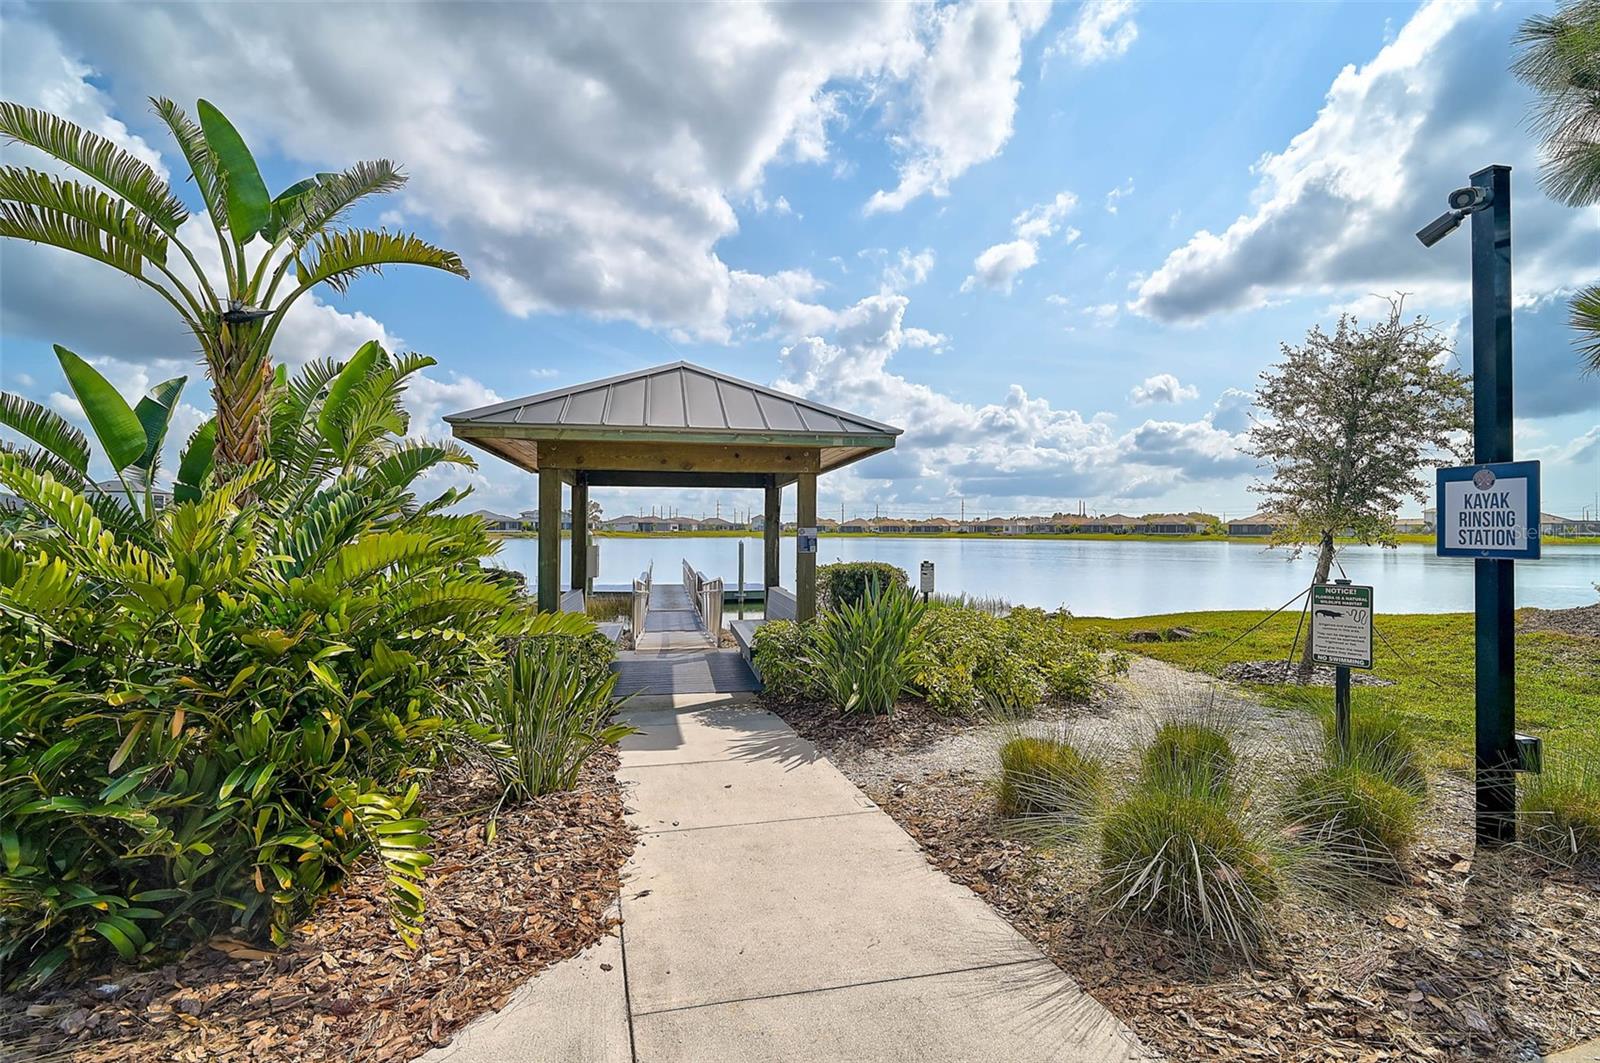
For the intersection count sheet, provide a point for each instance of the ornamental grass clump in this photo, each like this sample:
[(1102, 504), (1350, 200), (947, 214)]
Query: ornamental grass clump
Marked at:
[(1380, 743), (1191, 754), (1560, 811), (864, 654), (1184, 851), (1048, 778), (1362, 824)]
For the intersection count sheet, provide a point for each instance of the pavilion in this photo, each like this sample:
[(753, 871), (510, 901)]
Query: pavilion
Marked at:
[(677, 425)]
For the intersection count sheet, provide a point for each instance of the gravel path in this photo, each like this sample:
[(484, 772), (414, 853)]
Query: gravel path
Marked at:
[(1123, 716)]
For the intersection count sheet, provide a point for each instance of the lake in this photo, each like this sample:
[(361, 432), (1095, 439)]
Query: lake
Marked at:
[(1110, 578)]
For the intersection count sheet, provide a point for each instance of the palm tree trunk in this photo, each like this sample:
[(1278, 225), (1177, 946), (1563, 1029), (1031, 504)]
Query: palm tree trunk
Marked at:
[(1324, 565), (240, 375)]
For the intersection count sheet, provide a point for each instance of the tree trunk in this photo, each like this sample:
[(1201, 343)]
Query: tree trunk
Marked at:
[(1324, 564), (240, 376)]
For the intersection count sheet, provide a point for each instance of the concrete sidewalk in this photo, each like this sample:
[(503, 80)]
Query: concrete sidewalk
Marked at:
[(772, 912)]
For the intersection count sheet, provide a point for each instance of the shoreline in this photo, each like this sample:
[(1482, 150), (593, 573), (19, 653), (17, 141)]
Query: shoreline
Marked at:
[(1110, 537)]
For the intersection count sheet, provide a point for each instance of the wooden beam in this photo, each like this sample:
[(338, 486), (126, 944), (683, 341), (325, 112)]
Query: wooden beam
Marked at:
[(771, 534), (805, 565), (580, 533), (612, 478), (678, 457), (549, 540)]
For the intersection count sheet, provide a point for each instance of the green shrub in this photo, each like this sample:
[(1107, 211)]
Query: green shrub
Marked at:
[(210, 714), (973, 660), (1047, 777), (1560, 811), (848, 582), (1381, 744), (1364, 823), (1189, 755), (1188, 862), (551, 708), (782, 656), (864, 654)]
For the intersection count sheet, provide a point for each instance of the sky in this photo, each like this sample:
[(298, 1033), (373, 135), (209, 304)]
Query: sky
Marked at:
[(1056, 244)]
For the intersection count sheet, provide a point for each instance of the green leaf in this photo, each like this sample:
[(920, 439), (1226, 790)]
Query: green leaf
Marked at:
[(123, 943), (45, 427), (194, 464), (120, 433), (289, 207), (87, 204), (249, 204), (155, 413), (341, 256), (92, 154), (329, 420)]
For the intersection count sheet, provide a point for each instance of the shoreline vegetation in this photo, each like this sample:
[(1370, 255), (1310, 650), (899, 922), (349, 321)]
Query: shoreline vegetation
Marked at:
[(1118, 537)]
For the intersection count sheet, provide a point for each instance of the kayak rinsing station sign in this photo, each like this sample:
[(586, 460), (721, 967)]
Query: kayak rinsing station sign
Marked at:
[(1489, 511)]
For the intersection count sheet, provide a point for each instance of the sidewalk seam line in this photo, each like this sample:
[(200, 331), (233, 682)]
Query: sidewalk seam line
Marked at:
[(627, 992), (847, 985), (761, 822), (711, 760)]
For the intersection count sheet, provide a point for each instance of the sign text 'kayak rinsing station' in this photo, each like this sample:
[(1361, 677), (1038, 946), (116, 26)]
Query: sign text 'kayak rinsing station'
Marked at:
[(1489, 511)]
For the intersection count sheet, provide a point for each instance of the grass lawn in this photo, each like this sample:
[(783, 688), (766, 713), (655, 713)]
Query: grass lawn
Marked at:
[(1430, 656)]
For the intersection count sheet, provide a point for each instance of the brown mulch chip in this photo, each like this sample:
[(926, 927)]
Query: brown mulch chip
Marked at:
[(1480, 956), (1583, 620), (346, 987)]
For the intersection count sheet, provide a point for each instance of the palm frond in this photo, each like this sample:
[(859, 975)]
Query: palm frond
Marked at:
[(1586, 320), (47, 428), (90, 205), (92, 154), (411, 459), (339, 257), (338, 192), (192, 142), (42, 225)]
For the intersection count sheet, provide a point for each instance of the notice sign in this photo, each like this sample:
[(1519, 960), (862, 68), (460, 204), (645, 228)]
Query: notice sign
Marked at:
[(1341, 625), (927, 577), (1489, 511), (805, 540)]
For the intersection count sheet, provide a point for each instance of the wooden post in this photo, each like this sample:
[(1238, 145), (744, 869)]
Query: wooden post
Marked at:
[(805, 565), (771, 535), (580, 533), (549, 540)]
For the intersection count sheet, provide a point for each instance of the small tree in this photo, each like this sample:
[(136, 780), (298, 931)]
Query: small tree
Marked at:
[(1347, 421), (1560, 60)]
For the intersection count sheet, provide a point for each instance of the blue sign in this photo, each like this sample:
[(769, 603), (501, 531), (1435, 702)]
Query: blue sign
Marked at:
[(1489, 511)]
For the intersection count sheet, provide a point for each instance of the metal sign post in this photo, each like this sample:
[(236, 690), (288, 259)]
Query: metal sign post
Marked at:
[(740, 607), (1341, 635)]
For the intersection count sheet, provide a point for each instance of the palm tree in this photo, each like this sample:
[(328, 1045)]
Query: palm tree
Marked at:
[(135, 228), (1561, 61)]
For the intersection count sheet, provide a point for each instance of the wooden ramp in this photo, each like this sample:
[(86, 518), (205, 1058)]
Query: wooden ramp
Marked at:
[(674, 654)]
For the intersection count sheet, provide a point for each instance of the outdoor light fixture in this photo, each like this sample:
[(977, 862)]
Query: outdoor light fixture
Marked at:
[(1463, 201)]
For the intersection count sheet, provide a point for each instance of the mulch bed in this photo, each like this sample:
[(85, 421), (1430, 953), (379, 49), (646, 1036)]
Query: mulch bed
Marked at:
[(1282, 673), (1582, 620), (346, 987), (1488, 956)]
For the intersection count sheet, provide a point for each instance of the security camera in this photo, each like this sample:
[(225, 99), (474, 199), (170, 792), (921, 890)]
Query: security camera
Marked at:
[(1469, 199), (1440, 227)]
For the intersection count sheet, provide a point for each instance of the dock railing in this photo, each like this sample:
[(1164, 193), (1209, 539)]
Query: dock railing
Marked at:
[(641, 601), (706, 594)]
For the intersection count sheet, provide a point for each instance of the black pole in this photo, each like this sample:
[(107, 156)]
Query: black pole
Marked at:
[(1494, 589), (1341, 708)]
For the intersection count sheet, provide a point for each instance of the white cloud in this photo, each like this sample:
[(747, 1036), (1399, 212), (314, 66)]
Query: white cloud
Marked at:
[(600, 173), (1163, 387), (1334, 212), (1117, 194), (1019, 448), (998, 267), (908, 270), (1104, 29), (965, 95)]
